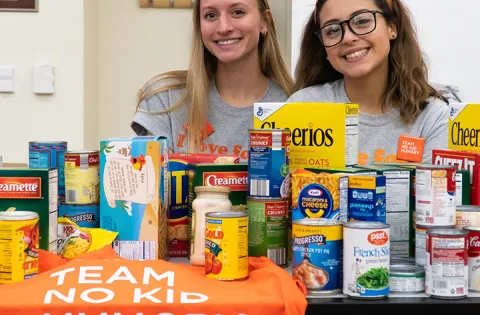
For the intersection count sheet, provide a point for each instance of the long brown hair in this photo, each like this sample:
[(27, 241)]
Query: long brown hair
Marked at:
[(407, 90), (201, 71)]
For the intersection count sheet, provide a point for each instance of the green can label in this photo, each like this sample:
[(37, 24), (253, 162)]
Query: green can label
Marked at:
[(267, 229)]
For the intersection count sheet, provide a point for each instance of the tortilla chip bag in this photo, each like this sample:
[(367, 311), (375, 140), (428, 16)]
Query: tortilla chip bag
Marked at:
[(74, 241)]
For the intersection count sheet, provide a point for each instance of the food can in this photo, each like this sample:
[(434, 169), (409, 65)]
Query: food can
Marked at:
[(269, 163), (82, 177), (435, 195), (226, 245), (473, 257), (401, 260), (421, 243), (407, 279), (317, 246), (446, 269), (19, 242), (366, 259), (49, 154), (467, 215), (267, 228), (87, 216)]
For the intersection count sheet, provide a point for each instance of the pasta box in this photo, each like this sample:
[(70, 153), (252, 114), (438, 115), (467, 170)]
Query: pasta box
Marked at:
[(134, 195), (33, 190)]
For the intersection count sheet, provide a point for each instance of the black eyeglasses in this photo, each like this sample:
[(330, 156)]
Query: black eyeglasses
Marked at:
[(362, 23)]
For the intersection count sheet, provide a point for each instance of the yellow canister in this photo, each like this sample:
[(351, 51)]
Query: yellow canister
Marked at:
[(226, 245), (19, 242)]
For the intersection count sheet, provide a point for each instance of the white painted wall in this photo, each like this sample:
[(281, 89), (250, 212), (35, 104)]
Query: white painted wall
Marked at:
[(53, 36), (136, 44), (447, 33)]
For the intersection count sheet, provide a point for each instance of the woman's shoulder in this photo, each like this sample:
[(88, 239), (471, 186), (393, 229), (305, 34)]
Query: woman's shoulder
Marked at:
[(328, 92), (436, 107), (163, 91)]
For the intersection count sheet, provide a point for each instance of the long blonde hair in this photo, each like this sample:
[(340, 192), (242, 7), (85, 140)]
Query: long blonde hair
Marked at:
[(407, 90), (201, 71)]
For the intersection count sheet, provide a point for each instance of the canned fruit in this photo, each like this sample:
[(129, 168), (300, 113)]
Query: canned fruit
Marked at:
[(19, 244), (317, 255), (268, 163), (226, 245)]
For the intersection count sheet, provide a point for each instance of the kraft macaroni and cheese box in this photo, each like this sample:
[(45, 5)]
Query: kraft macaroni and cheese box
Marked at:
[(321, 195), (322, 134), (134, 195), (178, 209), (366, 198), (463, 127), (346, 170)]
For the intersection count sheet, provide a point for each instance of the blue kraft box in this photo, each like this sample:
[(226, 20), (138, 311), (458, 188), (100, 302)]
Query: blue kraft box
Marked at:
[(134, 195), (366, 198)]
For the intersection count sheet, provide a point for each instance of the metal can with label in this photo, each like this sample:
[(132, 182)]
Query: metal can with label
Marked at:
[(473, 257), (366, 259), (269, 163), (421, 243), (87, 216), (435, 188), (446, 269), (49, 154), (407, 279), (82, 177), (267, 228), (226, 245), (317, 246), (401, 260), (19, 243), (467, 215)]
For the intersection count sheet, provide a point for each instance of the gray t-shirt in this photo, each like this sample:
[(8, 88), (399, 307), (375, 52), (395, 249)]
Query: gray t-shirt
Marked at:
[(227, 126), (379, 134)]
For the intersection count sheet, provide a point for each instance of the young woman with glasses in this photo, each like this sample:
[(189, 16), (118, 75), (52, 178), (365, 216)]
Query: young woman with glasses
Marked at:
[(235, 61), (366, 52)]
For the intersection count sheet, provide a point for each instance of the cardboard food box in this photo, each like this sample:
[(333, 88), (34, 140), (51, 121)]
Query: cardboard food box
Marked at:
[(400, 204), (178, 242), (134, 195), (463, 127), (33, 190), (366, 198), (322, 134)]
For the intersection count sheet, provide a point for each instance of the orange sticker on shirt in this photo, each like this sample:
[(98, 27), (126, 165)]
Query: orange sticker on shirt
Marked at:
[(410, 149)]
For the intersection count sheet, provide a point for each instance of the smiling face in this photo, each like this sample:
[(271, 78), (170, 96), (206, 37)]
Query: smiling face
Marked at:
[(357, 56), (231, 28)]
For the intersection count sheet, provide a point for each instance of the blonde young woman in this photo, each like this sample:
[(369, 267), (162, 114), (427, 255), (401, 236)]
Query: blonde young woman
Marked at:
[(366, 52), (235, 61)]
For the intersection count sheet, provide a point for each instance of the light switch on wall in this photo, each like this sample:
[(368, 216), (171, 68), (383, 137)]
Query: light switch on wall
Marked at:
[(6, 78), (43, 79)]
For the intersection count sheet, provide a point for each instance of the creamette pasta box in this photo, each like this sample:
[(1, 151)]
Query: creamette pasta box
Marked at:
[(463, 127), (322, 134), (133, 195), (33, 190)]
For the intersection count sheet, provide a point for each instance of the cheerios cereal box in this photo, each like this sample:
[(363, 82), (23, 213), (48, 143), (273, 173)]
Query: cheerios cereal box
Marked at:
[(463, 127), (134, 195), (322, 134), (319, 195)]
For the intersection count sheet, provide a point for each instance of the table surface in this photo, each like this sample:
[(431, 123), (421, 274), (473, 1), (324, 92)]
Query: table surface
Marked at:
[(404, 302)]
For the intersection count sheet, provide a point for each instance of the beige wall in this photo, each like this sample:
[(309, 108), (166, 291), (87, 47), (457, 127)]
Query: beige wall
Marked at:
[(136, 44), (52, 36)]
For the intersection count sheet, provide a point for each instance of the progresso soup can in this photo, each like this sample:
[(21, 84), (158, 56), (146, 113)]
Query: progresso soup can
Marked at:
[(269, 163), (366, 259), (317, 246), (19, 242), (87, 216)]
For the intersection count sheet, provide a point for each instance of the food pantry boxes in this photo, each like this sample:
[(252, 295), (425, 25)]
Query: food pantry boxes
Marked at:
[(133, 191), (322, 134), (33, 190)]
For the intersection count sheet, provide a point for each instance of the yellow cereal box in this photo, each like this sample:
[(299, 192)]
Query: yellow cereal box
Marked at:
[(322, 134), (463, 127)]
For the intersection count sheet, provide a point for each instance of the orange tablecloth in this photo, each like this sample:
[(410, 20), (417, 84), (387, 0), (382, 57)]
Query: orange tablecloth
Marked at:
[(100, 283)]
